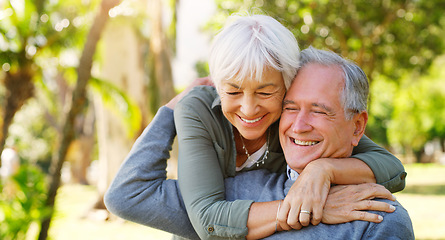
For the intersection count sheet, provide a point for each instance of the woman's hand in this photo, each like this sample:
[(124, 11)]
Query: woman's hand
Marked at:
[(346, 203), (197, 82), (306, 199)]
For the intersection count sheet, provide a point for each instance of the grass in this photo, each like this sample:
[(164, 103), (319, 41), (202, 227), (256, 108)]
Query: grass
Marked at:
[(74, 221), (423, 197)]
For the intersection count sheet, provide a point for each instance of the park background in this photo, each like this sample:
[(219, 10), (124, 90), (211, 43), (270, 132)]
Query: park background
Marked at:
[(80, 79)]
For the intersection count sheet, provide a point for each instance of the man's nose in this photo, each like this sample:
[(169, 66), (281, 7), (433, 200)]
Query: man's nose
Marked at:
[(249, 105), (302, 123)]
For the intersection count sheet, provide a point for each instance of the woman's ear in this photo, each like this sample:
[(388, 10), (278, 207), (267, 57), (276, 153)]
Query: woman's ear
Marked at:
[(360, 120)]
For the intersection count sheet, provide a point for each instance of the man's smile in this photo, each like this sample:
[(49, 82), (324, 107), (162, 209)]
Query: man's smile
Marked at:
[(304, 143)]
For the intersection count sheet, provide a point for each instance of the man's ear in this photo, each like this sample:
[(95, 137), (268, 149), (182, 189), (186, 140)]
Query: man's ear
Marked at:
[(360, 120)]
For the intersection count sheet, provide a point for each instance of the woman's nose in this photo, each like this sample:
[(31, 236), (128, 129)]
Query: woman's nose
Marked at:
[(249, 106)]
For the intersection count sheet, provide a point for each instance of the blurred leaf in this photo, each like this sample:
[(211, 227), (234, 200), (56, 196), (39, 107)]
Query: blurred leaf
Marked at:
[(22, 202), (202, 68), (419, 109), (120, 103), (384, 37)]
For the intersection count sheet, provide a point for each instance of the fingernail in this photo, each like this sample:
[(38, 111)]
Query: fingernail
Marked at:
[(380, 218), (394, 197), (392, 207)]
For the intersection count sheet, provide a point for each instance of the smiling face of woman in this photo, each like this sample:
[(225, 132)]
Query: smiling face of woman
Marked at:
[(252, 106)]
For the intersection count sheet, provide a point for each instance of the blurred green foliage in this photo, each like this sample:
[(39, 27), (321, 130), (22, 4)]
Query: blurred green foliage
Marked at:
[(22, 202), (383, 37), (202, 68), (120, 103), (45, 39), (419, 110), (35, 140), (33, 28), (49, 36)]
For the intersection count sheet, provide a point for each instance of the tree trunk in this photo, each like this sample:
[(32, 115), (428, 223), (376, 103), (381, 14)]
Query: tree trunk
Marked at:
[(81, 150), (19, 88), (442, 143), (418, 154), (161, 88), (123, 67), (78, 101)]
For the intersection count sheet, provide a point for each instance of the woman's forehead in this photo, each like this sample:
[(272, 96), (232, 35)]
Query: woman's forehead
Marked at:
[(268, 78)]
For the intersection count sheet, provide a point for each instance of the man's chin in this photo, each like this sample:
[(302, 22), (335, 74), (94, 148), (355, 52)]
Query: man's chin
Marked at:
[(298, 164)]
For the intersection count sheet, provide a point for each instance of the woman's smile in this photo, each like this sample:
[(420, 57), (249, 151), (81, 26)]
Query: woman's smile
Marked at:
[(251, 121)]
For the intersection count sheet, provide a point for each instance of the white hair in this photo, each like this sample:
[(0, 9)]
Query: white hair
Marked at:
[(249, 44)]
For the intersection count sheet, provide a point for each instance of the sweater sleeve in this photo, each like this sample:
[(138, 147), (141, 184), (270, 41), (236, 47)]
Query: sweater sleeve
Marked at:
[(201, 178), (388, 169), (140, 191)]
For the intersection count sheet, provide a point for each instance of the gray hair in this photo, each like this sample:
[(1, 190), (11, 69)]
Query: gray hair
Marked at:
[(354, 97), (249, 44)]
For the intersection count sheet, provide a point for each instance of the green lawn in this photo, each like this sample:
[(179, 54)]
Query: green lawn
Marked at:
[(74, 221), (423, 197)]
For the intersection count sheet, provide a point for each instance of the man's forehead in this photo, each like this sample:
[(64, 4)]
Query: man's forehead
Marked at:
[(317, 70), (317, 85)]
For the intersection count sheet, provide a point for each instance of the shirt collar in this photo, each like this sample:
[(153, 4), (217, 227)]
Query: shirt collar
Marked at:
[(216, 102), (292, 174)]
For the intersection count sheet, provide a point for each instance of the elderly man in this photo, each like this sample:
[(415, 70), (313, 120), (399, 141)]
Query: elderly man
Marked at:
[(319, 120), (324, 116)]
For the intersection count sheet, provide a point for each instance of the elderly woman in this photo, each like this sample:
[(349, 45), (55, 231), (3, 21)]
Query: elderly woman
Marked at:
[(233, 127)]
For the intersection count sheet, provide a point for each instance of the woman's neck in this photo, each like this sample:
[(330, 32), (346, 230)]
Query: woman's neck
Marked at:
[(250, 145)]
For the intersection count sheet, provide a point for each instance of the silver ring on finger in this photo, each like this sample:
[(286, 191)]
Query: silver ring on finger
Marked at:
[(305, 211)]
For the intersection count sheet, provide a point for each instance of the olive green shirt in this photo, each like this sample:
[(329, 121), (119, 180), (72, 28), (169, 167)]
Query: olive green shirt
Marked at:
[(207, 155)]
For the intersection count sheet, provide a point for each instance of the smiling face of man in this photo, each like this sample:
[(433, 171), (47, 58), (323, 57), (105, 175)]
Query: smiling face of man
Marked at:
[(313, 123)]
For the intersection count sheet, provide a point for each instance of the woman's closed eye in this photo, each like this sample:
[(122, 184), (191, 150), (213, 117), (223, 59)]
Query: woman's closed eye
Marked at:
[(233, 93), (265, 94)]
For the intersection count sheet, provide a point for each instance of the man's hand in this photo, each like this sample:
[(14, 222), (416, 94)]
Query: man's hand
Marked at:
[(346, 203), (311, 200)]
